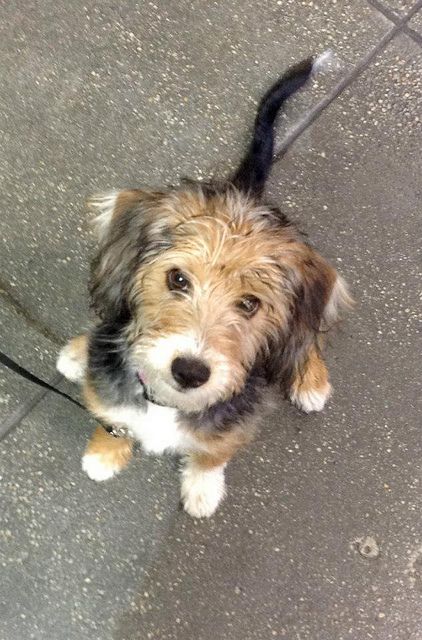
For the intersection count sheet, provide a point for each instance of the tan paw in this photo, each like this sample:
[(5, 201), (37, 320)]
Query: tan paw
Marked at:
[(72, 360), (106, 455), (309, 400)]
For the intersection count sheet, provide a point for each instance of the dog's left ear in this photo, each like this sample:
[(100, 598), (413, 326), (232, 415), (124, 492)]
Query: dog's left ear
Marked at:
[(130, 231), (318, 297)]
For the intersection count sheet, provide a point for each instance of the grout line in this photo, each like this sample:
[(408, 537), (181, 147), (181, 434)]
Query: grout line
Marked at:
[(345, 82), (15, 418), (394, 17), (416, 37), (30, 320)]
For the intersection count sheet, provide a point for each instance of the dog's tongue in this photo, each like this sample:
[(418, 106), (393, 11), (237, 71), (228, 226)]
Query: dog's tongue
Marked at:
[(142, 378)]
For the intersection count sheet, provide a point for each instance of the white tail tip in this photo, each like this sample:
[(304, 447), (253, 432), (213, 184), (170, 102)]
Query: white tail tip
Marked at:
[(325, 62)]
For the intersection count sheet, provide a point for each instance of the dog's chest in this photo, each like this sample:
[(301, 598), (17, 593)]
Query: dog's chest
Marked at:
[(156, 427)]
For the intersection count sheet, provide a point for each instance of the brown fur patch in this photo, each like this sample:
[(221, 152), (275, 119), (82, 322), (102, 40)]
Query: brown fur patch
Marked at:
[(313, 376), (126, 200), (113, 452), (78, 348), (222, 447), (92, 401)]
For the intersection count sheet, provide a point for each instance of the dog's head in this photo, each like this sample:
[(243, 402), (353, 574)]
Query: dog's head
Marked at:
[(210, 283)]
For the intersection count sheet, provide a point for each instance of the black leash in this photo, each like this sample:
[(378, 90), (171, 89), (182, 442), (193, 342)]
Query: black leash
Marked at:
[(14, 366)]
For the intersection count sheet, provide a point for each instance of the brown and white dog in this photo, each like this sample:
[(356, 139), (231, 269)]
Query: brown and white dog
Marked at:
[(205, 295)]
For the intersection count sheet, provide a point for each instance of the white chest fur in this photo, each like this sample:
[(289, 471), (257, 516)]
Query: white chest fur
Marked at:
[(156, 427)]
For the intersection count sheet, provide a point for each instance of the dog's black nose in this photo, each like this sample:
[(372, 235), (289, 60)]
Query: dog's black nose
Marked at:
[(190, 372)]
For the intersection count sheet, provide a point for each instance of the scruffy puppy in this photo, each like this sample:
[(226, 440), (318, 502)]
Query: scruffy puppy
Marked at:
[(205, 295)]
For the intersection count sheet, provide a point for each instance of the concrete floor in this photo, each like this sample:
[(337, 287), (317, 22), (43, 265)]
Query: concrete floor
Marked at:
[(104, 94)]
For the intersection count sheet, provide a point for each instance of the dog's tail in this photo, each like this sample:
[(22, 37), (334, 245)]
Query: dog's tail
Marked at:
[(253, 171)]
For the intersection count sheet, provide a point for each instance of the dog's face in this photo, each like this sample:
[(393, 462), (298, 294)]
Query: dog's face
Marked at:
[(212, 284)]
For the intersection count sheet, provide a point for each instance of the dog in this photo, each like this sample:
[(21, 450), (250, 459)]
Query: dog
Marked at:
[(205, 297)]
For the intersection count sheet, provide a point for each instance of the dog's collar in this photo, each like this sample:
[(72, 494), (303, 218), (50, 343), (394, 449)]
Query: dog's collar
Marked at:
[(149, 396), (116, 432)]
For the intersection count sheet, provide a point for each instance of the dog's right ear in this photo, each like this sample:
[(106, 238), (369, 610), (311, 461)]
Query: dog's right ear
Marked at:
[(130, 230)]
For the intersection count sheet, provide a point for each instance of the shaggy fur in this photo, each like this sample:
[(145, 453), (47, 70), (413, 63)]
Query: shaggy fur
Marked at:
[(205, 295)]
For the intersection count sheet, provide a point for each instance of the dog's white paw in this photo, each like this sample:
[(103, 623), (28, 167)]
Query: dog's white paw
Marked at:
[(96, 467), (312, 399), (69, 366), (202, 491)]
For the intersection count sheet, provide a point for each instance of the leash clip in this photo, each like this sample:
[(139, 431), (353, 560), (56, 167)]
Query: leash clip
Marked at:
[(116, 432)]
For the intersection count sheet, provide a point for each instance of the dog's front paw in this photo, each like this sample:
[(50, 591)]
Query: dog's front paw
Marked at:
[(105, 455), (98, 467), (70, 363), (202, 490), (311, 399)]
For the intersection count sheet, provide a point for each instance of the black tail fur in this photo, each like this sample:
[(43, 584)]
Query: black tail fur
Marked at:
[(253, 171)]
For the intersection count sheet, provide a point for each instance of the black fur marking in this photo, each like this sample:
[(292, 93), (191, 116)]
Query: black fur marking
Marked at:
[(222, 416), (289, 354), (131, 240), (254, 169), (278, 217), (109, 369)]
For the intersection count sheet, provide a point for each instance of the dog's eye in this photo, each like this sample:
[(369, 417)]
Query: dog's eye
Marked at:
[(177, 281), (248, 305)]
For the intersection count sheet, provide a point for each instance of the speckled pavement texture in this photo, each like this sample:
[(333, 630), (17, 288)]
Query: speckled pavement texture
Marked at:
[(320, 537)]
